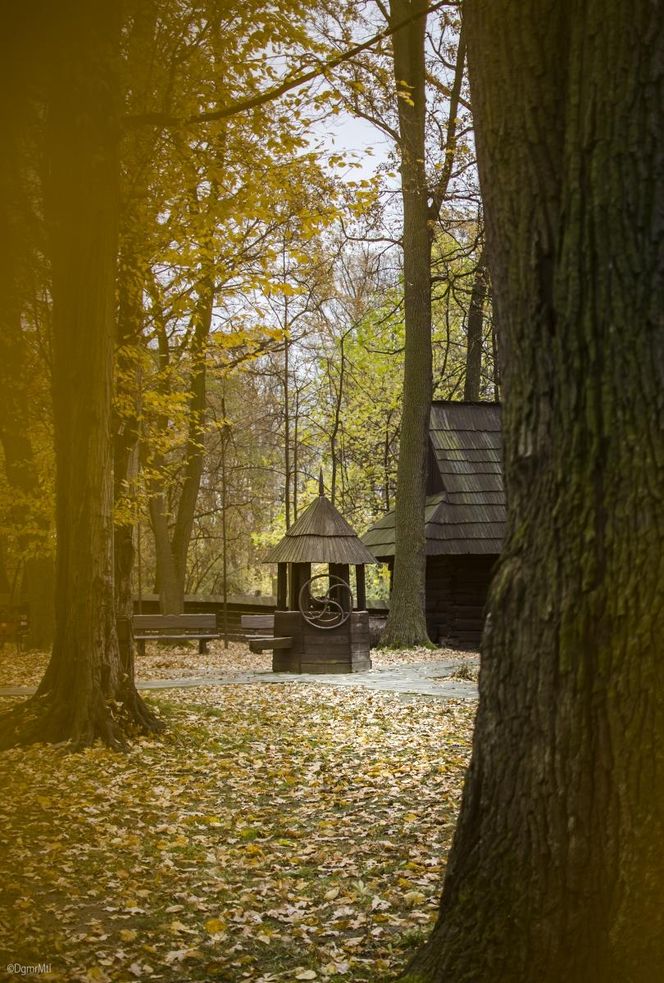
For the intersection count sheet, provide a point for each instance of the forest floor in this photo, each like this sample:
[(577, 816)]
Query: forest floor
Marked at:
[(284, 833), (168, 661)]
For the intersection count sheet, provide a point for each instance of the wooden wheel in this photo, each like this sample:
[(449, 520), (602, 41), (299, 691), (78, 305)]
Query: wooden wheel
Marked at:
[(326, 610)]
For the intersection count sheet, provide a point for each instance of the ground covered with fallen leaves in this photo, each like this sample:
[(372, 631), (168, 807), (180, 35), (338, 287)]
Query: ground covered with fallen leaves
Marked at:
[(161, 661), (270, 834), (167, 661)]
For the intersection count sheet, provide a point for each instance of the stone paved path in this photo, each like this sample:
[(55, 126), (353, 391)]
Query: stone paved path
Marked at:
[(434, 679)]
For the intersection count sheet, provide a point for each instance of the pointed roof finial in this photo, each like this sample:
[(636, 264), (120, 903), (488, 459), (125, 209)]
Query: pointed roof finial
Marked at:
[(320, 535), (321, 486)]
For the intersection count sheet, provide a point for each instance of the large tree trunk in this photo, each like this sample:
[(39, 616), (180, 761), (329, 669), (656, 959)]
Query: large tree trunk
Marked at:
[(406, 623), (19, 69), (557, 869), (84, 694)]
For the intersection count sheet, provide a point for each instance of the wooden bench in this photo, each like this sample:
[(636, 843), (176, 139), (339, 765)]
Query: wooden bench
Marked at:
[(254, 624), (13, 623), (175, 627)]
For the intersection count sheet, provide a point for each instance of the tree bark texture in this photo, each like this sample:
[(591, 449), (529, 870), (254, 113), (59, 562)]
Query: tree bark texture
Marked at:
[(557, 869), (406, 624), (84, 694), (20, 73)]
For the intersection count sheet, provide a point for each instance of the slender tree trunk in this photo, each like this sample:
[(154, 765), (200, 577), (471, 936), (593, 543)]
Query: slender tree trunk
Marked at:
[(225, 437), (84, 694), (495, 352), (170, 582), (170, 599), (557, 869), (336, 422), (5, 583), (171, 548), (475, 324), (296, 453), (406, 624), (125, 441), (287, 422), (184, 520)]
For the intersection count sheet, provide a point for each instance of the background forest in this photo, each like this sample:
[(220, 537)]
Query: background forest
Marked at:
[(259, 289)]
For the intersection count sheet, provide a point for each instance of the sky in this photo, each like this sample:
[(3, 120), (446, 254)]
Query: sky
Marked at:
[(347, 133)]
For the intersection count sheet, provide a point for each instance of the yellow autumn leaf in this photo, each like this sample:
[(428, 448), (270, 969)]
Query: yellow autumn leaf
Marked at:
[(214, 925), (414, 898)]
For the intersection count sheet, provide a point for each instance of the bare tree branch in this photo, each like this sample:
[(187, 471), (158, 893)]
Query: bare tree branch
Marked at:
[(440, 190)]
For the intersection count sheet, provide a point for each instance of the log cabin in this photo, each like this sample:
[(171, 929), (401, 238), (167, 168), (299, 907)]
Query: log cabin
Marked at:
[(464, 519)]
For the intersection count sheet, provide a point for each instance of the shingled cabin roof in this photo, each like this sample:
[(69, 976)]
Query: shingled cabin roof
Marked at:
[(320, 535), (465, 510)]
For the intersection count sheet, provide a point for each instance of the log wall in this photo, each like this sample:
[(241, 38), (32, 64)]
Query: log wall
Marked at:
[(457, 589)]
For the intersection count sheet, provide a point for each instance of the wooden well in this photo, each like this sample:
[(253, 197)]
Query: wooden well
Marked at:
[(342, 649), (316, 632)]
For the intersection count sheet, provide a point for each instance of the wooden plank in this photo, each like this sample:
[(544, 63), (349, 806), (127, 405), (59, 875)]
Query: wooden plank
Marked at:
[(257, 621), (336, 668), (261, 644), (299, 573), (282, 586), (194, 636), (326, 662), (184, 621), (285, 662), (317, 647), (360, 587)]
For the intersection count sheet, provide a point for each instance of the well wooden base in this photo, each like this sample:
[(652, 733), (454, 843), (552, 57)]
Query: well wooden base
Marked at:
[(336, 650)]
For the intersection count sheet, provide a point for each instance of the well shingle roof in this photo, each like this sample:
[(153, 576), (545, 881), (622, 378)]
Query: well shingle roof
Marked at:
[(320, 535), (468, 515)]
